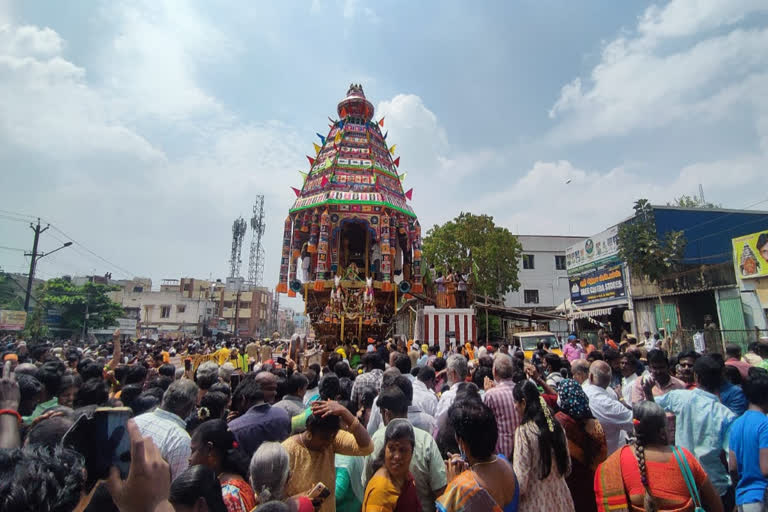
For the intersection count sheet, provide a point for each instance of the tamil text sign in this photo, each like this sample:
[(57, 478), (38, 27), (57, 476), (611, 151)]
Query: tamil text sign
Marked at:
[(592, 250), (12, 320), (604, 284), (750, 255)]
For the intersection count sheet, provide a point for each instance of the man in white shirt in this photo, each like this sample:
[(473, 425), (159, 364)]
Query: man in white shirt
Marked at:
[(613, 415), (456, 373), (166, 425)]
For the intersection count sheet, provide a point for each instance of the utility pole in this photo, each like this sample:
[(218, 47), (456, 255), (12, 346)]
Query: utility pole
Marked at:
[(33, 261)]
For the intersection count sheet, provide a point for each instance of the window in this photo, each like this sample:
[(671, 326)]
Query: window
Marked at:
[(528, 261), (180, 308), (560, 262), (165, 311), (138, 289), (531, 296), (187, 287)]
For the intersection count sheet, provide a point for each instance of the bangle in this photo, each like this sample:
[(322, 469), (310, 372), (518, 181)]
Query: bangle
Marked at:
[(16, 413)]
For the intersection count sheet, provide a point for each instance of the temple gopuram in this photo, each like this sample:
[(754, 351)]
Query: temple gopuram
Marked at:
[(351, 241)]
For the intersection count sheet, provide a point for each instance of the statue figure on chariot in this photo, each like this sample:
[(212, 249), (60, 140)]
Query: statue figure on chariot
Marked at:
[(351, 229)]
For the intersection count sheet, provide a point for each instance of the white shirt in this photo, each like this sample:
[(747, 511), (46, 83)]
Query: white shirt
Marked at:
[(423, 398), (626, 387), (698, 343), (615, 419), (169, 434), (446, 400)]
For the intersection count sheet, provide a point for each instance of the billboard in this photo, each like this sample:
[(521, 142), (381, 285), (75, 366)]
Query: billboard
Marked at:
[(750, 255), (12, 320), (604, 284), (592, 250)]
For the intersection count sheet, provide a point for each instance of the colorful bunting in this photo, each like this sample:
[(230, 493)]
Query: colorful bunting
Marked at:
[(409, 194), (337, 139), (303, 175), (343, 112), (324, 181), (322, 139), (311, 160), (296, 191), (381, 122), (317, 148), (397, 162), (392, 149), (385, 135), (402, 176)]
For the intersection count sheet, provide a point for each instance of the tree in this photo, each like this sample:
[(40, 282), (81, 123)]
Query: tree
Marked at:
[(685, 201), (10, 294), (474, 244), (641, 248), (73, 302)]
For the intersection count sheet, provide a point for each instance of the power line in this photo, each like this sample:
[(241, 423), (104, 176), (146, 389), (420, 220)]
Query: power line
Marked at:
[(11, 248)]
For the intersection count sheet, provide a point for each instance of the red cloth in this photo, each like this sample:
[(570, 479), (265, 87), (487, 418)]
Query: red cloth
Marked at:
[(409, 499), (742, 366)]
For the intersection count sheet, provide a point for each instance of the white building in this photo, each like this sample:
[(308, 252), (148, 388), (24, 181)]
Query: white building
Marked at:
[(166, 311), (542, 273)]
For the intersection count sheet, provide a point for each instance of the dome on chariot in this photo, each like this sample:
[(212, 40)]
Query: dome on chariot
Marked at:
[(351, 230)]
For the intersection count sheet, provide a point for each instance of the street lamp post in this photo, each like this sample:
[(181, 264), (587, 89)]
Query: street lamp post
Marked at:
[(35, 257)]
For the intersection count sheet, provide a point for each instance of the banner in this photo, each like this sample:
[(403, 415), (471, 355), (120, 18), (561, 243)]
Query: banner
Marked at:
[(592, 250), (12, 320), (750, 255), (598, 285)]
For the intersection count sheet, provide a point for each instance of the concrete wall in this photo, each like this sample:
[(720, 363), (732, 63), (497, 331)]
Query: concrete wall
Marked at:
[(552, 284)]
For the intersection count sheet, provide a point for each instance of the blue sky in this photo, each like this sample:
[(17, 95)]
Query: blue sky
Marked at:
[(142, 129)]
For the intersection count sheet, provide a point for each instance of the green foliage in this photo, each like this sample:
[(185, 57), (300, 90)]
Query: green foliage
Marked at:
[(35, 327), (641, 249), (474, 244), (71, 300), (494, 327), (11, 294), (685, 201)]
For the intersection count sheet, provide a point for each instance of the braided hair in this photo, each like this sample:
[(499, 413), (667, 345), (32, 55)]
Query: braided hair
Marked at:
[(551, 436), (650, 429)]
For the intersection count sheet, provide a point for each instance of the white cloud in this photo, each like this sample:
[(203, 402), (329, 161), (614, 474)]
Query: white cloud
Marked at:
[(641, 83)]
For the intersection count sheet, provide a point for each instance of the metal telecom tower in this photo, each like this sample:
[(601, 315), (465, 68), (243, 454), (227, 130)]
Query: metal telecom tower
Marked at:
[(256, 260), (238, 233)]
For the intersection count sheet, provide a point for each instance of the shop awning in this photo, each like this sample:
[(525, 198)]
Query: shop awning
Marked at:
[(589, 310)]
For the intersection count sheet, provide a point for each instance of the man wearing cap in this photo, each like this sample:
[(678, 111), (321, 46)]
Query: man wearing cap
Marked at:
[(573, 349), (427, 466)]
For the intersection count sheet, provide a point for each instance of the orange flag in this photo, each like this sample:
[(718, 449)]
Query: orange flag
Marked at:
[(381, 122), (343, 112)]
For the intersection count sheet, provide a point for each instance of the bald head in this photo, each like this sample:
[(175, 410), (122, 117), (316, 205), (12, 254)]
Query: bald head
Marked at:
[(503, 368), (600, 374), (268, 383), (580, 370)]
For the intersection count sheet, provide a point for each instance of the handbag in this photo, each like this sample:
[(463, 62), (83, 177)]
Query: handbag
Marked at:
[(688, 477)]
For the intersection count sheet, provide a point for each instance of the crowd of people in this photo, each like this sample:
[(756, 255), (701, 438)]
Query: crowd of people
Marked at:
[(391, 426)]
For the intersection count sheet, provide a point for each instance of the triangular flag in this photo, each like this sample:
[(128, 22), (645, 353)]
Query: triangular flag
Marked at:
[(317, 148), (311, 160), (343, 112), (341, 124), (392, 149), (385, 135), (303, 175), (324, 181), (296, 191), (402, 176), (397, 161), (409, 194), (322, 139), (381, 122), (337, 139)]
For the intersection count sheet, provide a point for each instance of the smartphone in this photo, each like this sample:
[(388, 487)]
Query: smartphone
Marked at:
[(281, 360), (103, 441), (234, 381), (187, 364), (318, 494)]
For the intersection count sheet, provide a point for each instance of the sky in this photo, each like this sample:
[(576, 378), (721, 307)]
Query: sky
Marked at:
[(142, 129)]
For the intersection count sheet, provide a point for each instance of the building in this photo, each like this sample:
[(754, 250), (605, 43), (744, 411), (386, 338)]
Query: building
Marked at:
[(301, 323), (165, 313), (542, 274), (285, 323), (243, 310), (702, 294), (750, 264)]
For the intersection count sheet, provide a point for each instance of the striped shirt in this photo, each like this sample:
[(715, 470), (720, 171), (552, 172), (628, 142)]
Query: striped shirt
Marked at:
[(169, 435), (499, 399)]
